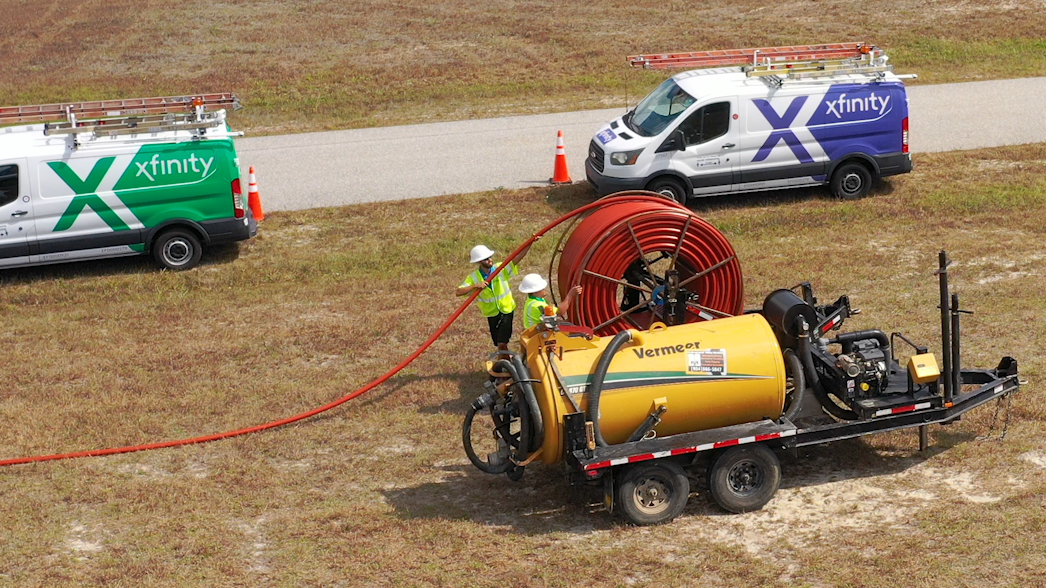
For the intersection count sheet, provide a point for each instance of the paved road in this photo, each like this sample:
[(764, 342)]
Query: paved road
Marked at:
[(333, 168)]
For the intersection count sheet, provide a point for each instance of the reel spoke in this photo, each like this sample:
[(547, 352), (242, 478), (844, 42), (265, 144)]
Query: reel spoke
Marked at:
[(704, 273), (679, 244), (624, 314), (644, 289)]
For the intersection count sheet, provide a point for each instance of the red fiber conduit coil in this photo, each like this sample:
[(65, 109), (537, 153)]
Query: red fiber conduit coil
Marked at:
[(335, 403), (603, 244)]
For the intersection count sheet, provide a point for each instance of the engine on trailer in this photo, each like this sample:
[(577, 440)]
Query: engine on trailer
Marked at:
[(858, 368), (866, 370)]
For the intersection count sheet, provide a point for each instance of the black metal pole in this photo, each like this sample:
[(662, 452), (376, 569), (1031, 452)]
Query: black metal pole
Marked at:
[(946, 337), (956, 378)]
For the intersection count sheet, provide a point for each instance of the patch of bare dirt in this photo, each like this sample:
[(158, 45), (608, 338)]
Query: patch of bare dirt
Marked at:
[(840, 502)]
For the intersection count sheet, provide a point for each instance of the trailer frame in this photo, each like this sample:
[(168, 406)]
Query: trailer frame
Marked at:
[(943, 402)]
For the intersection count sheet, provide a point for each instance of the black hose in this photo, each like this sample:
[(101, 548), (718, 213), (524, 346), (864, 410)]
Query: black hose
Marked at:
[(466, 439), (532, 403), (815, 382), (795, 367), (596, 388), (523, 450), (847, 340)]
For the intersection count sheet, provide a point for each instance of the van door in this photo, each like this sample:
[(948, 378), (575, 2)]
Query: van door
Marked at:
[(777, 146), (710, 156), (16, 212), (78, 215)]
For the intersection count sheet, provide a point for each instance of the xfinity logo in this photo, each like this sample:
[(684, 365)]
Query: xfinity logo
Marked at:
[(844, 105), (173, 166)]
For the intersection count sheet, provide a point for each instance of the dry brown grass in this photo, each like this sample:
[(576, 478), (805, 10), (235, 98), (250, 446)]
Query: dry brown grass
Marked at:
[(378, 493), (317, 64)]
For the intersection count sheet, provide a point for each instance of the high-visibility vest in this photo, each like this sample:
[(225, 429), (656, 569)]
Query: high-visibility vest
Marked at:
[(497, 298), (534, 310)]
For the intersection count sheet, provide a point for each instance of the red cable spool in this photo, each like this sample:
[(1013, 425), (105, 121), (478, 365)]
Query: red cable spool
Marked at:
[(606, 251)]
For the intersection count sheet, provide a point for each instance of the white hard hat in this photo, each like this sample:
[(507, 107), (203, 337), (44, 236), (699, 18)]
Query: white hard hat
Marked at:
[(479, 253), (532, 283)]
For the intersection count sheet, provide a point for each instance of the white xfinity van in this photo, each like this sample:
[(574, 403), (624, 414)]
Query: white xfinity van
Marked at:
[(781, 123)]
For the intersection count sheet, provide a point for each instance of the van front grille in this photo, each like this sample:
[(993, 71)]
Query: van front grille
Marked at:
[(595, 155)]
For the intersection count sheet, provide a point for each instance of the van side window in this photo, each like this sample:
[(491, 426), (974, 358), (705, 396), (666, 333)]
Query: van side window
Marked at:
[(8, 184), (710, 121)]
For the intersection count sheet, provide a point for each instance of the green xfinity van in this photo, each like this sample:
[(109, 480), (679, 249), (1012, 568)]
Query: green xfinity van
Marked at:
[(153, 176)]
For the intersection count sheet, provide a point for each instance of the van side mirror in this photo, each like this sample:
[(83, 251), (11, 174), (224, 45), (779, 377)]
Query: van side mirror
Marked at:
[(675, 142), (679, 139)]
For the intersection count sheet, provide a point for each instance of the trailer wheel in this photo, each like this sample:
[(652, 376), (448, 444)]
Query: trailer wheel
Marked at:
[(177, 249), (851, 181), (745, 478), (652, 493)]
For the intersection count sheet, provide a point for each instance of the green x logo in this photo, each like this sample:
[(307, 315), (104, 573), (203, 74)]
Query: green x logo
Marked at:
[(85, 194)]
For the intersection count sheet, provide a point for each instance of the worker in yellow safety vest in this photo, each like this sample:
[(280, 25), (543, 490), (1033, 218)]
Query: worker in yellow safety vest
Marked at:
[(536, 289), (495, 299)]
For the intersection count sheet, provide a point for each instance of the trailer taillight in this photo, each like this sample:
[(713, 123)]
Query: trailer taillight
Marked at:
[(237, 199), (904, 135)]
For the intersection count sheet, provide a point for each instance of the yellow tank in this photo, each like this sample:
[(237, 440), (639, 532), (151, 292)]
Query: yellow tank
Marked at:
[(709, 374)]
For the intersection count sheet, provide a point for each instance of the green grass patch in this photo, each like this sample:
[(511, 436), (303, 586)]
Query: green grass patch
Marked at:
[(322, 65), (378, 492)]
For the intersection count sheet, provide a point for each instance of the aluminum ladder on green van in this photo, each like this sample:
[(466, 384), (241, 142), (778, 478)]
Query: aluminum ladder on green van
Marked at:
[(125, 116)]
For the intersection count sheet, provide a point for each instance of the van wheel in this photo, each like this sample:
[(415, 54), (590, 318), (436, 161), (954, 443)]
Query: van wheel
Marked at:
[(745, 478), (851, 181), (177, 250), (652, 493), (670, 188)]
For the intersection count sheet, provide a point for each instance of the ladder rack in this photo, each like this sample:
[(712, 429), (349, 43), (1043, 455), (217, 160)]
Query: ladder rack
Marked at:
[(125, 116), (137, 124), (780, 64), (755, 56), (115, 108)]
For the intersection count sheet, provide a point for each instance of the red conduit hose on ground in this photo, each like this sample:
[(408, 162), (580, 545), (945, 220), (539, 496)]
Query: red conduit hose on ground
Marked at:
[(299, 417)]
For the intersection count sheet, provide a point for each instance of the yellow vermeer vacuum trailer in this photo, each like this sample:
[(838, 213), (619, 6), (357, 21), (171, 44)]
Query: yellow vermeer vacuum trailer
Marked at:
[(638, 410)]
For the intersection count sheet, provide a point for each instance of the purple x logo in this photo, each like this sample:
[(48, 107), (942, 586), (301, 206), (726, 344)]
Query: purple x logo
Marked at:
[(781, 130)]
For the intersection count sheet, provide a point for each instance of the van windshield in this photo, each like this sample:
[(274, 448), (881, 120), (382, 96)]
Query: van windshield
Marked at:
[(659, 109)]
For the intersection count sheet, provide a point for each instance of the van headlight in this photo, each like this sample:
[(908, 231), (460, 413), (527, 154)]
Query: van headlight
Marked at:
[(625, 157)]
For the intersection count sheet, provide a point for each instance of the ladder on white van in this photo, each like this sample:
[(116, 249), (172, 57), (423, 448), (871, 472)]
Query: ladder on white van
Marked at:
[(780, 64), (131, 116)]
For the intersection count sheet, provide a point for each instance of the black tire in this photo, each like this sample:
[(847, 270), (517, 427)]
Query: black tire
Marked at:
[(745, 478), (670, 188), (851, 181), (652, 493), (177, 250)]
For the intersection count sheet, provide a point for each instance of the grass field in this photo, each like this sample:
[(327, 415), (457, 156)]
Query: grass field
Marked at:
[(379, 493), (320, 64)]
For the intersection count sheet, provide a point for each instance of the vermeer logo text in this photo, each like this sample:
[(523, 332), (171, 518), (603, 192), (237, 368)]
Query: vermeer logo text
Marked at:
[(666, 350)]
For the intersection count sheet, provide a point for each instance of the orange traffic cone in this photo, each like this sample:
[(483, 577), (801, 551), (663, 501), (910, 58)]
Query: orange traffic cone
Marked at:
[(254, 198), (560, 175)]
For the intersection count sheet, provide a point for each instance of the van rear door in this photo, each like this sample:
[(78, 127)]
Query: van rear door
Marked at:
[(16, 212), (709, 158), (862, 118)]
